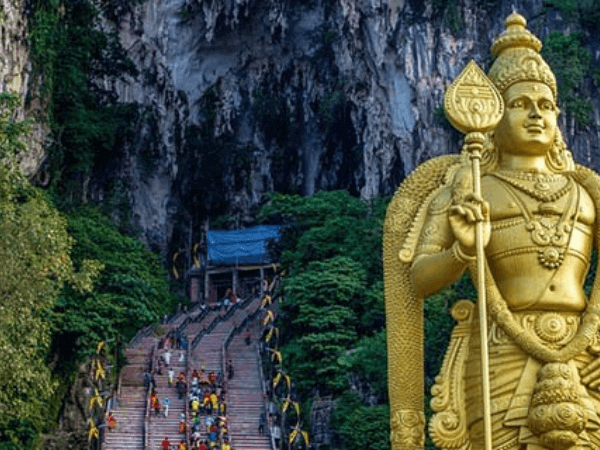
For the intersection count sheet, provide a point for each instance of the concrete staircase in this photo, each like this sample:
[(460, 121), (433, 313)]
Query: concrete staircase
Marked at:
[(244, 394), (130, 407), (160, 426)]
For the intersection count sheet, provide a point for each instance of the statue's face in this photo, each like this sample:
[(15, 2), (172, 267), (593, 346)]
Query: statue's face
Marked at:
[(528, 126)]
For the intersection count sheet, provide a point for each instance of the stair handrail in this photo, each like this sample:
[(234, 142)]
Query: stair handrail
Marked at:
[(264, 397), (187, 392), (144, 332), (182, 326), (212, 326), (146, 406), (234, 331)]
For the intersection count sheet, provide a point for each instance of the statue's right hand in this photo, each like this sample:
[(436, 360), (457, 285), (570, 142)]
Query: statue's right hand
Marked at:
[(464, 215)]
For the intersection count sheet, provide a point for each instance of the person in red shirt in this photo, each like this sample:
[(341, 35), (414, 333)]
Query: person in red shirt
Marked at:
[(166, 444), (112, 423)]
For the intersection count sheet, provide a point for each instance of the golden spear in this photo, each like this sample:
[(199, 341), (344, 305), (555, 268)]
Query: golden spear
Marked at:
[(473, 105)]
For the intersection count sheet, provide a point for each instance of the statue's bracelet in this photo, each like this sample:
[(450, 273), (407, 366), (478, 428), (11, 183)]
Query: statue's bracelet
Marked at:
[(460, 255)]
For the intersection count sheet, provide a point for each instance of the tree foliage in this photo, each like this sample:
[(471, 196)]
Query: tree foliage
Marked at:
[(131, 291), (333, 303), (35, 252), (359, 425), (78, 58), (570, 61), (332, 313)]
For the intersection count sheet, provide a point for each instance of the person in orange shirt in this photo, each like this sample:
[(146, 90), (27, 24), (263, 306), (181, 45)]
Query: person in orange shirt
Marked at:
[(182, 445), (112, 423)]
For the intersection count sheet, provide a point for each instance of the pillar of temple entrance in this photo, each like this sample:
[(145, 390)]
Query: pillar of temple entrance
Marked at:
[(206, 286)]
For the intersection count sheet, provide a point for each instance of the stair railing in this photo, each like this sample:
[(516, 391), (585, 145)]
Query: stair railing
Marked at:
[(264, 397), (187, 393), (235, 331), (147, 405), (208, 329)]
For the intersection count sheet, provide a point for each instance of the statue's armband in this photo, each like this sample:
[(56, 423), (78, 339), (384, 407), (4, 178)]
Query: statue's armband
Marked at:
[(436, 235)]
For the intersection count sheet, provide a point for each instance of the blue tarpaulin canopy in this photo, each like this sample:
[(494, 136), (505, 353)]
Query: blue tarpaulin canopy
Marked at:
[(242, 247)]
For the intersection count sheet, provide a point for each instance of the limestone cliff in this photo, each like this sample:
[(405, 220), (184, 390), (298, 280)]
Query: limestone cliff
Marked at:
[(15, 75), (296, 96), (239, 97)]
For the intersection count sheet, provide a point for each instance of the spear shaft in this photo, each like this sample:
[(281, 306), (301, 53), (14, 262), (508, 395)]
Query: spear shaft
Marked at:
[(475, 156)]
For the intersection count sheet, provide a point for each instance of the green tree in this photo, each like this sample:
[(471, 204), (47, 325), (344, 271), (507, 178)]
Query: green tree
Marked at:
[(334, 290), (332, 314), (75, 58), (318, 305), (570, 61), (359, 425), (131, 291), (35, 253)]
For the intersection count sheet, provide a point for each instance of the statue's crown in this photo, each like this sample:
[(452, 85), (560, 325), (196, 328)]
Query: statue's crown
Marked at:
[(518, 58)]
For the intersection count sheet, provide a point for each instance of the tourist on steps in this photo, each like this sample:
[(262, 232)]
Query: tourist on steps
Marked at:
[(111, 421), (166, 403), (229, 370), (170, 376)]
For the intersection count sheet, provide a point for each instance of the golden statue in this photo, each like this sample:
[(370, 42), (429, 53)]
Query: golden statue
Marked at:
[(516, 211)]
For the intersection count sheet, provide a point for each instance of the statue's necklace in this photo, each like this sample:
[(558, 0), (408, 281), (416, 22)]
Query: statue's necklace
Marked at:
[(540, 188), (588, 330), (550, 235)]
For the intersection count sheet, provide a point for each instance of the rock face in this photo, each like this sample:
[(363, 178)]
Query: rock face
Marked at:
[(240, 97), (15, 73), (295, 96)]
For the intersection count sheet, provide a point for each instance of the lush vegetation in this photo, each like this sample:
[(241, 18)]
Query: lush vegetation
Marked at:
[(35, 250), (67, 282), (570, 57), (333, 312), (69, 279), (131, 291), (570, 61), (76, 56)]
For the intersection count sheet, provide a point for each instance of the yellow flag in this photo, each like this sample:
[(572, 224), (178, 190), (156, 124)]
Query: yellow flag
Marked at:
[(196, 260), (276, 380), (266, 301), (293, 435), (305, 436), (269, 335), (268, 317), (95, 399), (99, 347), (99, 372), (276, 355), (175, 272), (288, 381), (93, 433)]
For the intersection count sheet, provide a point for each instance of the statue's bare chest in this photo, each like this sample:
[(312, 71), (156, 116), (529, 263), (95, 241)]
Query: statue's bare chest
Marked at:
[(561, 198)]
